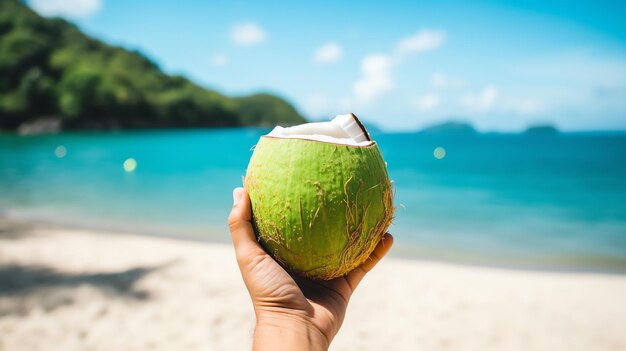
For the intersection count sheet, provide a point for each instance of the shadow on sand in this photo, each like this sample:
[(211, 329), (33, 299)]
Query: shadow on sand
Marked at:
[(28, 287), (12, 230)]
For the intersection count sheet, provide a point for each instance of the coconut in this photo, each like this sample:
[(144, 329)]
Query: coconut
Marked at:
[(321, 196)]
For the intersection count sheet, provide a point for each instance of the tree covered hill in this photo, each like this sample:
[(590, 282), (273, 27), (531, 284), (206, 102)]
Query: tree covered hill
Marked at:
[(49, 68)]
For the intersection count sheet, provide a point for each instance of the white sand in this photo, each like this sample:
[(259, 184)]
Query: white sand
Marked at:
[(67, 289)]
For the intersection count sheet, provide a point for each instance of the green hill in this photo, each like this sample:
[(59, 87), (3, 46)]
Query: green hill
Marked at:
[(48, 68)]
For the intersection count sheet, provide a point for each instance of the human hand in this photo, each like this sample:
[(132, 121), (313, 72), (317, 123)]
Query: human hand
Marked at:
[(292, 312)]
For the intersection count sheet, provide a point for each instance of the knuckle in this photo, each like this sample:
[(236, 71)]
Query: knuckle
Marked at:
[(239, 256), (233, 221), (251, 259), (243, 258)]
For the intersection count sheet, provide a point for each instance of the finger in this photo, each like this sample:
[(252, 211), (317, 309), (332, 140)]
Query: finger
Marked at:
[(379, 252), (240, 225), (356, 275)]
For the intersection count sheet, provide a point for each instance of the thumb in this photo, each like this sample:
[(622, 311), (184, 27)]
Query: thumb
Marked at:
[(240, 225)]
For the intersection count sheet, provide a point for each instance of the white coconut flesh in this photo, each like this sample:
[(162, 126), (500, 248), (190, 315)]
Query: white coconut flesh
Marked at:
[(343, 129)]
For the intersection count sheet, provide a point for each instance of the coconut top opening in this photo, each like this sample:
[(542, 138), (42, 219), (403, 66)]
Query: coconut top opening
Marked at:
[(343, 129)]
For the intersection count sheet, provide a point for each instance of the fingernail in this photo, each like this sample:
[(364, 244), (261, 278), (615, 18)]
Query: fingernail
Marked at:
[(237, 193)]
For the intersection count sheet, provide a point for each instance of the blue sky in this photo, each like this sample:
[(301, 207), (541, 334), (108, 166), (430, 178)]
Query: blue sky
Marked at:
[(402, 64)]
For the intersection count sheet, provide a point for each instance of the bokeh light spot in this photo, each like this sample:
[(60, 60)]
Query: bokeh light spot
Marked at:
[(60, 151), (130, 165), (439, 152)]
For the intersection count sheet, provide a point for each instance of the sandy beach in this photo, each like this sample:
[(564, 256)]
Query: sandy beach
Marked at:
[(75, 289)]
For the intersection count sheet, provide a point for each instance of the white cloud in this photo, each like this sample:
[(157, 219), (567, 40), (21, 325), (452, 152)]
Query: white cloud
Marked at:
[(481, 101), (73, 9), (376, 79), (422, 41), (427, 102), (219, 59), (328, 53), (247, 34), (377, 69), (441, 81)]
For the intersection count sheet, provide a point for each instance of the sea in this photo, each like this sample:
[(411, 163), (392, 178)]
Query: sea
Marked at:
[(528, 201)]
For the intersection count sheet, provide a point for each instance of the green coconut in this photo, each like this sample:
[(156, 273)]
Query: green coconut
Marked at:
[(320, 204)]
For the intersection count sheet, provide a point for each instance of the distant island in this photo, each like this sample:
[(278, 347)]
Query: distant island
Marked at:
[(450, 128), (464, 128), (54, 75), (542, 130)]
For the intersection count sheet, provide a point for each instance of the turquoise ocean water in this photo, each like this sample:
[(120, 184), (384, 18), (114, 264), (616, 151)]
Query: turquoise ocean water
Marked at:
[(544, 201)]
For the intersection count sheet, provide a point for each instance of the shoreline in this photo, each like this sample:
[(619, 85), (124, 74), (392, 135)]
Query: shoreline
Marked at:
[(552, 263)]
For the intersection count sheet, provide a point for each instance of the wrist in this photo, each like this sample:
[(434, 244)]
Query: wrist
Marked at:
[(281, 332)]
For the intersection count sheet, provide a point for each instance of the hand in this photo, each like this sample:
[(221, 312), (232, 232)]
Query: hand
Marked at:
[(292, 312)]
